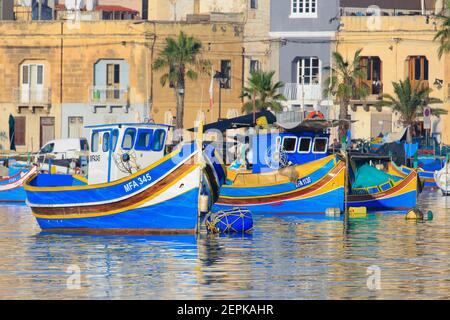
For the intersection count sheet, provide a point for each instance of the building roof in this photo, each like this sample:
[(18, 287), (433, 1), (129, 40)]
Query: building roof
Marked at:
[(110, 8), (114, 8), (388, 4)]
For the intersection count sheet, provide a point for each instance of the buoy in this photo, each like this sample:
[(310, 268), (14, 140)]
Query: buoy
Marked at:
[(237, 220), (411, 215), (417, 214), (333, 212), (357, 212)]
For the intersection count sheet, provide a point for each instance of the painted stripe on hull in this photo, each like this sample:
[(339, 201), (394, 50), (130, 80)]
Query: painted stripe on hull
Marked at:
[(178, 215), (305, 192), (118, 206)]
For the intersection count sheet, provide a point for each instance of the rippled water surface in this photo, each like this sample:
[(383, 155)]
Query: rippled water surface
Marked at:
[(285, 258)]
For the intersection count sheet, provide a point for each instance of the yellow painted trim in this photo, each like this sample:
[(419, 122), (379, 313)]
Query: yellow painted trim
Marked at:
[(80, 178), (133, 206), (103, 185)]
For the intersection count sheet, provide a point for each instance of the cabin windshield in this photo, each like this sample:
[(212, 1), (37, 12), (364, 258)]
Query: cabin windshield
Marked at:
[(128, 139)]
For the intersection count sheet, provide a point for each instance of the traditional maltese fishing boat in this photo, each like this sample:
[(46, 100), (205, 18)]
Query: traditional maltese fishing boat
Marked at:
[(133, 185), (381, 189), (291, 173), (11, 186), (442, 178)]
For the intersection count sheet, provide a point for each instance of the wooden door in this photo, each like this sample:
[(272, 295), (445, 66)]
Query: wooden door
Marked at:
[(47, 130)]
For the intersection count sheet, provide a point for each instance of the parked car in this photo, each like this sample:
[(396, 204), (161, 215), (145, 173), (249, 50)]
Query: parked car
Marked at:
[(64, 155)]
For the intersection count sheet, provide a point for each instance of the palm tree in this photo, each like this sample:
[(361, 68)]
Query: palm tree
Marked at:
[(181, 59), (409, 102), (344, 85), (266, 93), (443, 35)]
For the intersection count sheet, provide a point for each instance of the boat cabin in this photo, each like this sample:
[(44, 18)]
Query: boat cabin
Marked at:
[(118, 150)]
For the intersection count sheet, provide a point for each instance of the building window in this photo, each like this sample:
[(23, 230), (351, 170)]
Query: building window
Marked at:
[(113, 81), (32, 83), (253, 4), (372, 67), (304, 8), (308, 70), (418, 68), (254, 66), (225, 69), (75, 127), (19, 131)]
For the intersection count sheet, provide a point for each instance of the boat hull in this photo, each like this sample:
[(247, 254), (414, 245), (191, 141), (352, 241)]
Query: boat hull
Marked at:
[(442, 180), (401, 197), (162, 198), (326, 190)]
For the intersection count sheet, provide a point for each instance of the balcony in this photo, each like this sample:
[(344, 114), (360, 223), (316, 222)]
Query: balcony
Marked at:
[(109, 97), (32, 98), (299, 92)]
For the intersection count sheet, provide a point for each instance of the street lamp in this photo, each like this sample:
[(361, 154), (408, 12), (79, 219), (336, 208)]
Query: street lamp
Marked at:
[(223, 79)]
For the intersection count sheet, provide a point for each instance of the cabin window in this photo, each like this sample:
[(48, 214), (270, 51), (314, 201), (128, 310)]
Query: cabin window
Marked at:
[(158, 140), (105, 144), (84, 145), (290, 144), (128, 139), (144, 140), (94, 141), (304, 145), (320, 145), (114, 139)]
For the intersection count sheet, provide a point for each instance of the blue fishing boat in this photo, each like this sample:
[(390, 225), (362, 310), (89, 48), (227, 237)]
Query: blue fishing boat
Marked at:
[(291, 172), (11, 186), (134, 185)]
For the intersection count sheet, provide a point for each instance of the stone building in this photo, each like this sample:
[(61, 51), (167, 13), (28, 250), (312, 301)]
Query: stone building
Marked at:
[(394, 47), (58, 76)]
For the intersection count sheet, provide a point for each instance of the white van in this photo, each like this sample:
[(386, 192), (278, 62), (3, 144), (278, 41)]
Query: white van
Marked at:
[(61, 149), (66, 156)]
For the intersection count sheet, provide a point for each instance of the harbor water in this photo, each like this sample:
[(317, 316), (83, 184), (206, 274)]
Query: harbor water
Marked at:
[(382, 256)]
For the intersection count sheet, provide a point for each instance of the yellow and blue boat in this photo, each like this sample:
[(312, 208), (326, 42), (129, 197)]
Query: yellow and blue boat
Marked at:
[(392, 190), (11, 186), (133, 185), (291, 172)]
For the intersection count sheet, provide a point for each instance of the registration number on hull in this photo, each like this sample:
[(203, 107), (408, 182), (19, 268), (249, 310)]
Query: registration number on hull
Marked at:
[(303, 182), (137, 182)]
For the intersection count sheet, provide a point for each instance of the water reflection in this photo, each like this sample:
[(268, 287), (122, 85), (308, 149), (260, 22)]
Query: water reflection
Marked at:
[(287, 257)]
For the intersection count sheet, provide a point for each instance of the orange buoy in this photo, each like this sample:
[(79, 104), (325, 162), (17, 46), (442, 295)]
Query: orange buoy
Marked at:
[(316, 115)]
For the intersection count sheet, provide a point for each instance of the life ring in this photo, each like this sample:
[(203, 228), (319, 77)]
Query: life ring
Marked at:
[(316, 115)]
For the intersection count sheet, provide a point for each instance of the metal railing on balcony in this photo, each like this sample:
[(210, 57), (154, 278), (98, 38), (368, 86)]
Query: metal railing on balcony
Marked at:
[(32, 96), (101, 95), (293, 116), (299, 92)]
